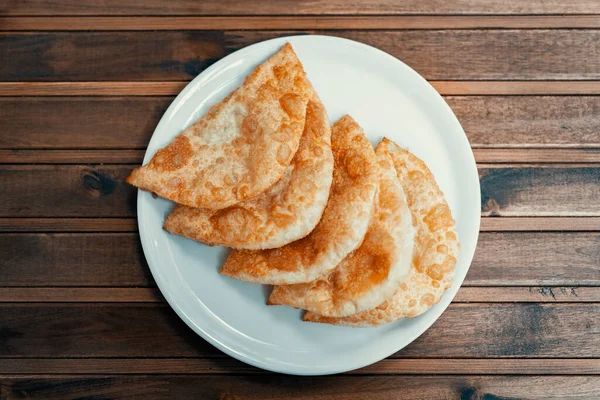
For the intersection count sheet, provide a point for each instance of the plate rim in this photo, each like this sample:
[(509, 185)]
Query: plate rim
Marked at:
[(449, 294)]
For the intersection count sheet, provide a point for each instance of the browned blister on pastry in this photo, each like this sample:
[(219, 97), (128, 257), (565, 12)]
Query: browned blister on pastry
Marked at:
[(370, 274), (287, 211), (435, 254), (341, 228), (241, 146)]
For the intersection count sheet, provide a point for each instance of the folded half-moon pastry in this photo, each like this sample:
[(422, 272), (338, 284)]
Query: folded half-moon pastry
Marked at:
[(342, 226), (287, 211), (370, 274), (241, 146), (435, 254)]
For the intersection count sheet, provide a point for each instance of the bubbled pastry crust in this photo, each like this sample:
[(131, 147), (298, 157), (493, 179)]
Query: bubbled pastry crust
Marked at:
[(342, 226), (435, 254), (287, 211), (241, 146), (372, 273)]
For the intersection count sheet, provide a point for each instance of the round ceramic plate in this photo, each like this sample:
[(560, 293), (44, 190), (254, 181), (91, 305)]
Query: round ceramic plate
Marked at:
[(387, 98)]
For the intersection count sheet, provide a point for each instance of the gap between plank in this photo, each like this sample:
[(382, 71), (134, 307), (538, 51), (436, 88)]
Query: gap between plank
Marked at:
[(170, 88), (488, 224), (482, 155), (204, 23), (510, 294), (226, 365)]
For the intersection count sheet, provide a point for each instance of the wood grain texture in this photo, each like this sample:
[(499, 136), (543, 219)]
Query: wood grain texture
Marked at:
[(531, 121), (23, 156), (219, 366), (540, 294), (159, 56), (152, 330), (101, 191), (162, 387), (488, 224), (530, 259), (273, 386), (80, 295), (28, 123), (73, 260), (543, 294), (482, 155), (517, 191), (72, 225), (168, 88), (98, 191), (515, 55), (380, 22), (548, 224), (529, 155), (80, 314), (79, 123), (108, 56), (506, 88), (291, 7), (568, 259)]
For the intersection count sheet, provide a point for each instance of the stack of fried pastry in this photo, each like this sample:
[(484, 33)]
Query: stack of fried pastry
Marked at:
[(356, 236)]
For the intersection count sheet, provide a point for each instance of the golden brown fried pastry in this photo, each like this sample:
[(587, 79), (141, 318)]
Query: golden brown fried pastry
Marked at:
[(371, 274), (341, 228), (436, 248), (241, 147), (287, 211)]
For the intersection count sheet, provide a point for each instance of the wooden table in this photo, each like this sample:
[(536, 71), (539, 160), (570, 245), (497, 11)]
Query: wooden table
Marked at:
[(82, 87)]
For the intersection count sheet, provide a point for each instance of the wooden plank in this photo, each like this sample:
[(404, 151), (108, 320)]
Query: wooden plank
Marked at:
[(80, 295), (154, 330), (101, 191), (79, 123), (227, 365), (159, 56), (528, 121), (93, 88), (569, 259), (73, 191), (291, 7), (70, 225), (538, 294), (73, 260), (518, 191), (159, 387), (380, 22), (530, 259), (529, 155), (482, 155), (515, 55), (20, 156), (544, 294), (169, 88), (488, 224), (98, 56), (128, 123), (524, 224), (507, 88)]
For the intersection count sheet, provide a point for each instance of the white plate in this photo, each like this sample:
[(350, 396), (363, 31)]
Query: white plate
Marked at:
[(387, 98)]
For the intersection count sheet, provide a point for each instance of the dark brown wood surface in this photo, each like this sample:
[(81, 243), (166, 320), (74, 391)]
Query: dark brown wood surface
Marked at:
[(489, 121), (83, 85), (292, 7), (116, 259), (101, 191), (258, 387), (162, 56), (149, 330)]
